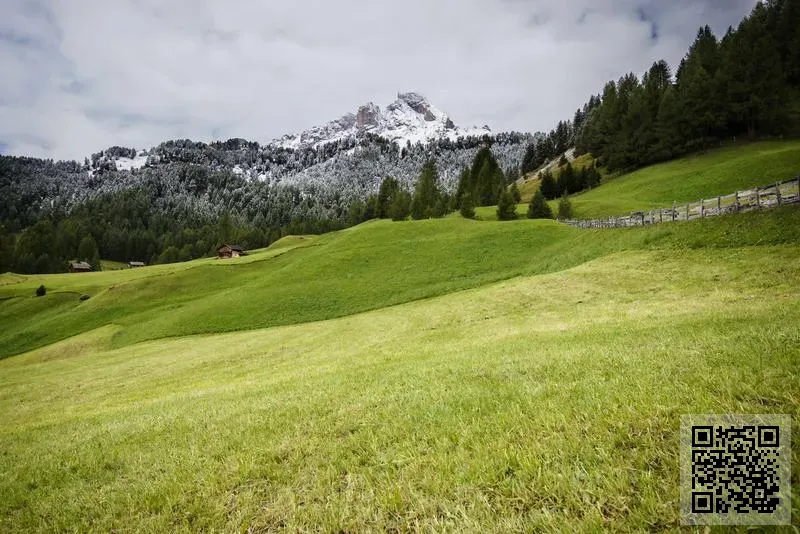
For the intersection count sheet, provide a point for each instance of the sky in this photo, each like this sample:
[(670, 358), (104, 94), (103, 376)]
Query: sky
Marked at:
[(79, 76)]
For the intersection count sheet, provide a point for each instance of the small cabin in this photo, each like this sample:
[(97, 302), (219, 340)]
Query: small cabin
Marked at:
[(134, 264), (80, 267), (229, 251)]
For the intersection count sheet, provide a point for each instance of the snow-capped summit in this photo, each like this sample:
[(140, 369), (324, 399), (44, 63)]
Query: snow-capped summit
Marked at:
[(410, 118)]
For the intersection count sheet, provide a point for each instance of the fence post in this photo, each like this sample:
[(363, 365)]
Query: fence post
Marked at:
[(661, 216), (778, 192), (673, 211), (758, 198), (702, 208), (736, 202), (687, 212), (719, 205), (642, 218)]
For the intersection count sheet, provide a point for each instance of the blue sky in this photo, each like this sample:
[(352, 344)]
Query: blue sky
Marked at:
[(81, 75)]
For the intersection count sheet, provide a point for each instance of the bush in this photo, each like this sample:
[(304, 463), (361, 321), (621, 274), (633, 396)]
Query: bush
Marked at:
[(538, 208), (41, 291), (84, 297), (564, 208)]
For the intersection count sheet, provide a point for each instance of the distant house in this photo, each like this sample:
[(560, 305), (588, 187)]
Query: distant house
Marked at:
[(80, 267), (133, 264), (229, 251)]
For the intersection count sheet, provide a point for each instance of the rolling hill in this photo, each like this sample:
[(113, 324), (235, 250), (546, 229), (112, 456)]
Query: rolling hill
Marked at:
[(443, 374)]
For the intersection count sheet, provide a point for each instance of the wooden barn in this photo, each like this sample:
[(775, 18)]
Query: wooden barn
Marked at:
[(229, 251), (80, 267)]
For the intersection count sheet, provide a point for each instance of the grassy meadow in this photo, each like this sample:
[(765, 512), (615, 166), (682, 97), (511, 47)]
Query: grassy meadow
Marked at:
[(440, 375), (702, 176)]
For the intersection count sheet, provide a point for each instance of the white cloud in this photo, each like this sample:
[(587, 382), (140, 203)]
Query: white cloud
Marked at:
[(80, 75)]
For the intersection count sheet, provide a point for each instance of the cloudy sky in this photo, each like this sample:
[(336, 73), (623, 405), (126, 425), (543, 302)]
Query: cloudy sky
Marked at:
[(81, 75)]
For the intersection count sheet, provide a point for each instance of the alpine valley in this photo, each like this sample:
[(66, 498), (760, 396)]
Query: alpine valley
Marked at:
[(301, 183)]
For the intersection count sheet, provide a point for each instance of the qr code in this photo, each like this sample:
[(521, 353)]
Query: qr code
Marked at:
[(735, 469)]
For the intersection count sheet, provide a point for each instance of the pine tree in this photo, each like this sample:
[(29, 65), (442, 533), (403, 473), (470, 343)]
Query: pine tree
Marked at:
[(506, 207), (538, 208), (549, 187), (400, 207), (427, 196), (467, 208), (515, 194), (564, 208), (389, 188)]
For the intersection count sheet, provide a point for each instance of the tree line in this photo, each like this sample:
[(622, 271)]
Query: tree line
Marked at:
[(745, 84)]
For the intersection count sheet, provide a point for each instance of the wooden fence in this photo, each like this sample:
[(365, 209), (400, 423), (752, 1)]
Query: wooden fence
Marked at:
[(778, 194)]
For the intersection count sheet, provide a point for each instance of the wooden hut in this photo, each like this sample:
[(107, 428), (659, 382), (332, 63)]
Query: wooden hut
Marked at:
[(229, 251), (80, 267)]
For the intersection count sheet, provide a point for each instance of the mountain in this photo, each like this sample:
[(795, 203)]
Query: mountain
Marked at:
[(165, 203), (409, 119)]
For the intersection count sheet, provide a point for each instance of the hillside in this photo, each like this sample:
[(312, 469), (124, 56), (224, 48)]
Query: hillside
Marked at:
[(506, 403), (720, 171), (717, 172)]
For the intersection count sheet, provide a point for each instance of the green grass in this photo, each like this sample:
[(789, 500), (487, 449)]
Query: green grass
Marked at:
[(546, 402), (110, 265), (440, 375), (718, 172), (378, 264)]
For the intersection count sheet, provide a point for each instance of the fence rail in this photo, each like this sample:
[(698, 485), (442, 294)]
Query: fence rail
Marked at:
[(777, 194)]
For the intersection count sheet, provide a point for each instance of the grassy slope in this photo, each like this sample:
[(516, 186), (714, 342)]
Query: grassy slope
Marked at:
[(718, 172), (702, 176), (374, 265), (548, 402)]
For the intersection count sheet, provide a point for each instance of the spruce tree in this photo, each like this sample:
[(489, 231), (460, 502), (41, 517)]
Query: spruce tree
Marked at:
[(427, 196), (506, 207), (549, 187), (538, 208), (515, 194), (467, 207), (400, 208), (564, 208)]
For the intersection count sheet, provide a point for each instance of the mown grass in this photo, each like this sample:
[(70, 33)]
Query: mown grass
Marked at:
[(546, 402), (377, 264)]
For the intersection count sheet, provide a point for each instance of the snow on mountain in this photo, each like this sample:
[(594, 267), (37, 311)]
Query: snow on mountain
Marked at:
[(410, 118), (136, 162)]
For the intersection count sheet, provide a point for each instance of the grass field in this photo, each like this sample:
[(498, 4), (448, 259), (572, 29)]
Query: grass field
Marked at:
[(441, 375), (703, 176), (541, 402)]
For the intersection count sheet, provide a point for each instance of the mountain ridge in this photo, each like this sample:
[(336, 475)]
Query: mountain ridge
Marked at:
[(411, 118)]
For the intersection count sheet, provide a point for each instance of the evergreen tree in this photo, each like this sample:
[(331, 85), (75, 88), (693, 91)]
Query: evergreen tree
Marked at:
[(467, 208), (564, 208), (549, 187), (427, 195), (529, 160), (538, 208), (506, 207), (515, 194), (390, 187), (400, 208)]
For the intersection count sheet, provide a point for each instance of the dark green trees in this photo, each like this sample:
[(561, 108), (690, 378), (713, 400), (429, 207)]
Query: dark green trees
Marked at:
[(743, 85), (484, 181), (88, 252), (538, 208), (506, 207), (564, 208), (467, 209), (428, 200)]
